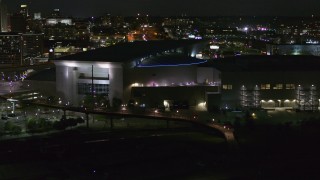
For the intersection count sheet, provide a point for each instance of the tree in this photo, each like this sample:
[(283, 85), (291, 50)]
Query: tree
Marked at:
[(32, 125), (87, 101), (8, 126), (116, 103), (64, 123), (99, 100), (16, 130), (38, 125), (12, 128), (237, 123)]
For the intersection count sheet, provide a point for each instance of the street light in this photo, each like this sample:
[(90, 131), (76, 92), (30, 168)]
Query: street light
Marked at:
[(123, 108)]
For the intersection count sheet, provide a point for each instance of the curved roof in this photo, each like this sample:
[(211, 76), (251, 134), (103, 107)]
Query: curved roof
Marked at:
[(127, 51), (170, 60), (48, 74)]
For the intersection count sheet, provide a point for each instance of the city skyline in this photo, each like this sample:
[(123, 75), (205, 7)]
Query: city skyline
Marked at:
[(88, 8)]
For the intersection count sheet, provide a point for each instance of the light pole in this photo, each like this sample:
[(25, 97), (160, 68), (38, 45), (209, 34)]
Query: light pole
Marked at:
[(13, 102)]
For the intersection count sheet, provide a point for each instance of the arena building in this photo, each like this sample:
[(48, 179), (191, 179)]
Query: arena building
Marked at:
[(114, 71), (167, 74), (293, 49), (269, 82)]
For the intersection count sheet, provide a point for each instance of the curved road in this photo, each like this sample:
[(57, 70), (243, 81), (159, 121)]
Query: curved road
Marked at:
[(228, 133)]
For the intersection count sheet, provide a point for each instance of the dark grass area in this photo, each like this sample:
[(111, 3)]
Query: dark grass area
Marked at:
[(280, 151), (159, 154), (265, 152)]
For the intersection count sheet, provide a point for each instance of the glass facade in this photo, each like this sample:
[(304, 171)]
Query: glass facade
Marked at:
[(290, 86), (227, 87), (278, 86), (265, 86), (84, 88)]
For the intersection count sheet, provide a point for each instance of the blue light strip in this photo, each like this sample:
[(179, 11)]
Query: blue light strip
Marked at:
[(173, 65)]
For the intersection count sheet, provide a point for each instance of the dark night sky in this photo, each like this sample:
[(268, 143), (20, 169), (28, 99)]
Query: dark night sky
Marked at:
[(85, 8)]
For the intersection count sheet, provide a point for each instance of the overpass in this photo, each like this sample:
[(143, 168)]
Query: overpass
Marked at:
[(227, 132)]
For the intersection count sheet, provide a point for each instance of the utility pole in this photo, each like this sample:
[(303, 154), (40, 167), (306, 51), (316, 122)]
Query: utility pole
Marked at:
[(21, 49), (92, 93)]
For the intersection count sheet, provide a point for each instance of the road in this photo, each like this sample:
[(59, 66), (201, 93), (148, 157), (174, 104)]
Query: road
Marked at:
[(227, 132)]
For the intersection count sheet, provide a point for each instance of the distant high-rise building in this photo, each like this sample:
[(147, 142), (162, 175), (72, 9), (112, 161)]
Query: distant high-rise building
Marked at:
[(117, 21), (10, 45), (32, 45), (37, 16), (18, 23), (56, 13), (24, 10), (18, 49), (106, 20), (3, 17)]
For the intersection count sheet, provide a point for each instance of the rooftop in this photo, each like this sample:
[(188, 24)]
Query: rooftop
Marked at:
[(170, 60), (48, 74), (128, 51), (266, 63)]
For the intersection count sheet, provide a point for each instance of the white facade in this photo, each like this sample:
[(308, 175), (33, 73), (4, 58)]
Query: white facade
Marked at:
[(55, 21), (70, 75)]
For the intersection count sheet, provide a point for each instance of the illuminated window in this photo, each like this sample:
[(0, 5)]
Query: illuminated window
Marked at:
[(85, 89), (290, 86), (265, 86), (278, 86), (227, 87)]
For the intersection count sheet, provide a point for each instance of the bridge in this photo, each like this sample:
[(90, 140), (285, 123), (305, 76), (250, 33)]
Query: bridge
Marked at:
[(226, 131)]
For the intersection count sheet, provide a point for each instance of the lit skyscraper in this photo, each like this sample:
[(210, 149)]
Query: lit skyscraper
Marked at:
[(37, 16), (56, 13), (24, 10)]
